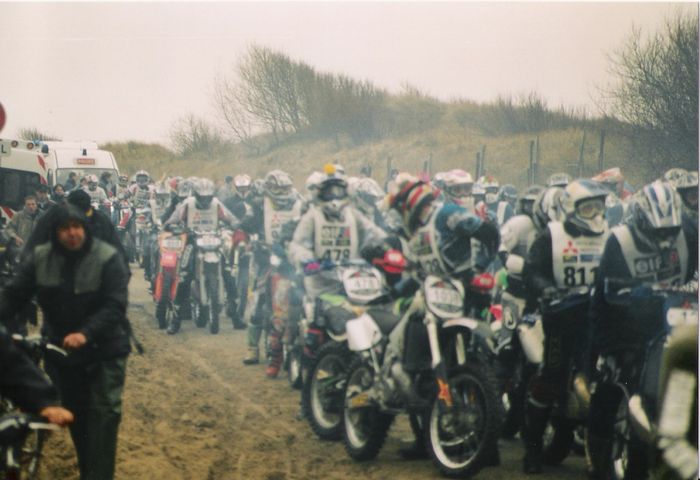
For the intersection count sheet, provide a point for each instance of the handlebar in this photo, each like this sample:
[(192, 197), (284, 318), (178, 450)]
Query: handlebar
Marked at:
[(36, 346)]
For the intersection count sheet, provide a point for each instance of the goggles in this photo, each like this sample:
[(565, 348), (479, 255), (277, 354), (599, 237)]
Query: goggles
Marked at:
[(589, 209), (332, 192), (462, 190)]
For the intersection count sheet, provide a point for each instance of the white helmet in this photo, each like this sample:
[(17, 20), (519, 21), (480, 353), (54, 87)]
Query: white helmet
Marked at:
[(365, 193), (142, 178), (279, 188), (655, 213), (546, 208), (583, 204), (242, 183), (458, 185), (203, 193), (560, 179), (313, 182), (333, 192), (490, 186)]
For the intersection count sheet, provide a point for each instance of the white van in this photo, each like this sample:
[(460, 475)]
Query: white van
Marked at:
[(83, 158), (22, 168)]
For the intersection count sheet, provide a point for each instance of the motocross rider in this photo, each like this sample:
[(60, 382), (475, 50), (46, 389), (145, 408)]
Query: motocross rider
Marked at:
[(613, 180), (236, 201), (439, 238), (142, 191), (199, 212), (281, 210), (687, 188), (497, 210), (97, 193), (562, 258), (457, 188), (366, 194), (650, 249)]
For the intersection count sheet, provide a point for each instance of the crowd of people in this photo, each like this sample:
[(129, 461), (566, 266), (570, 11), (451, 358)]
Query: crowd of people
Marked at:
[(537, 247)]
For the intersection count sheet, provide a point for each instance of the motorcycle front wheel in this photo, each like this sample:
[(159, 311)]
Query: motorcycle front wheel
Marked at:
[(365, 428), (322, 392), (213, 289), (459, 437)]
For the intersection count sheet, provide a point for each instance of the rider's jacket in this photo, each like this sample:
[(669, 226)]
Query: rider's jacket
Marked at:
[(562, 256), (140, 197), (275, 218), (690, 228), (517, 235), (627, 258), (443, 244), (202, 219), (335, 239), (97, 195)]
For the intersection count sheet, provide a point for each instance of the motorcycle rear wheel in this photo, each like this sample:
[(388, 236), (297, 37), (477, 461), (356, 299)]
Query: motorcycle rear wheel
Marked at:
[(164, 303)]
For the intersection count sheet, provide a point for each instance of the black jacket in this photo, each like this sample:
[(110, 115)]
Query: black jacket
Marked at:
[(21, 380), (69, 303)]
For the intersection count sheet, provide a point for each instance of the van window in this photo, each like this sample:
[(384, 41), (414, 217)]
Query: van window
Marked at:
[(62, 173), (15, 185)]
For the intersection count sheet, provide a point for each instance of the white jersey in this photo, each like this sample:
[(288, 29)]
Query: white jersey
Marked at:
[(575, 260), (335, 240), (276, 218), (666, 268), (423, 248), (97, 195), (140, 197)]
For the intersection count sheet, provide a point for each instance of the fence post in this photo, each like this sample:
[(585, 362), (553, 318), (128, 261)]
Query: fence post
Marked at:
[(580, 155), (531, 168), (601, 151)]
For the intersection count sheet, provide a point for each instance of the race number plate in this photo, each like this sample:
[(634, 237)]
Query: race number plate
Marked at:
[(443, 298)]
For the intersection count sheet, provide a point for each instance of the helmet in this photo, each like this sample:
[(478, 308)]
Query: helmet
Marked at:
[(184, 189), (162, 193), (203, 193), (365, 193), (673, 175), (123, 181), (92, 182), (333, 192), (547, 208), (279, 188), (242, 183), (339, 169), (583, 204), (560, 179), (508, 193), (526, 202), (411, 200), (458, 185), (490, 186), (439, 180), (142, 178), (656, 214), (687, 188), (312, 184)]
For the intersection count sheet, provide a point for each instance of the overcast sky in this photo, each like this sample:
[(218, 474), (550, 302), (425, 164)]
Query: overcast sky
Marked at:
[(127, 71)]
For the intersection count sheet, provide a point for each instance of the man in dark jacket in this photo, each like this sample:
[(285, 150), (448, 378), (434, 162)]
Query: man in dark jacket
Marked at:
[(25, 384), (81, 286)]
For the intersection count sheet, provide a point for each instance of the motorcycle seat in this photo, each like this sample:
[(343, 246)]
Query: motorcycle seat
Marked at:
[(385, 319)]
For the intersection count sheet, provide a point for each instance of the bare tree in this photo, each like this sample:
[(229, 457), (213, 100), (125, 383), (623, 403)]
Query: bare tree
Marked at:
[(658, 90), (33, 133), (239, 121), (190, 134)]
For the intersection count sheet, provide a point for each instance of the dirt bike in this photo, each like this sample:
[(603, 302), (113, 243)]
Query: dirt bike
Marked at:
[(640, 430), (22, 435), (452, 389), (171, 246), (207, 282), (321, 351), (125, 227), (143, 225)]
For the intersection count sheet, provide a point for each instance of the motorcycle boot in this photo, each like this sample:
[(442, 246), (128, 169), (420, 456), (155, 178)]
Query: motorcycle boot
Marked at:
[(275, 354), (536, 417), (253, 356), (174, 326)]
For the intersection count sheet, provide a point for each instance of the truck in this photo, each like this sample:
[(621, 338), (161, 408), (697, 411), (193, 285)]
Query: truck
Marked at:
[(22, 168)]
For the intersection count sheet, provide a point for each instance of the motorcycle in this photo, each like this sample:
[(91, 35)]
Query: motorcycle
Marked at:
[(23, 435), (320, 354), (171, 247), (124, 226), (649, 419), (207, 283), (143, 225), (453, 393)]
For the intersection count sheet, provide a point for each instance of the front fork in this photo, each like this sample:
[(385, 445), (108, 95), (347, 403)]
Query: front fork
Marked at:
[(438, 363)]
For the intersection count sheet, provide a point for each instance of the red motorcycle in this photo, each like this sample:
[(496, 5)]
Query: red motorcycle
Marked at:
[(171, 246)]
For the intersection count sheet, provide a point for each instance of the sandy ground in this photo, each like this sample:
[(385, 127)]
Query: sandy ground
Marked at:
[(193, 411)]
